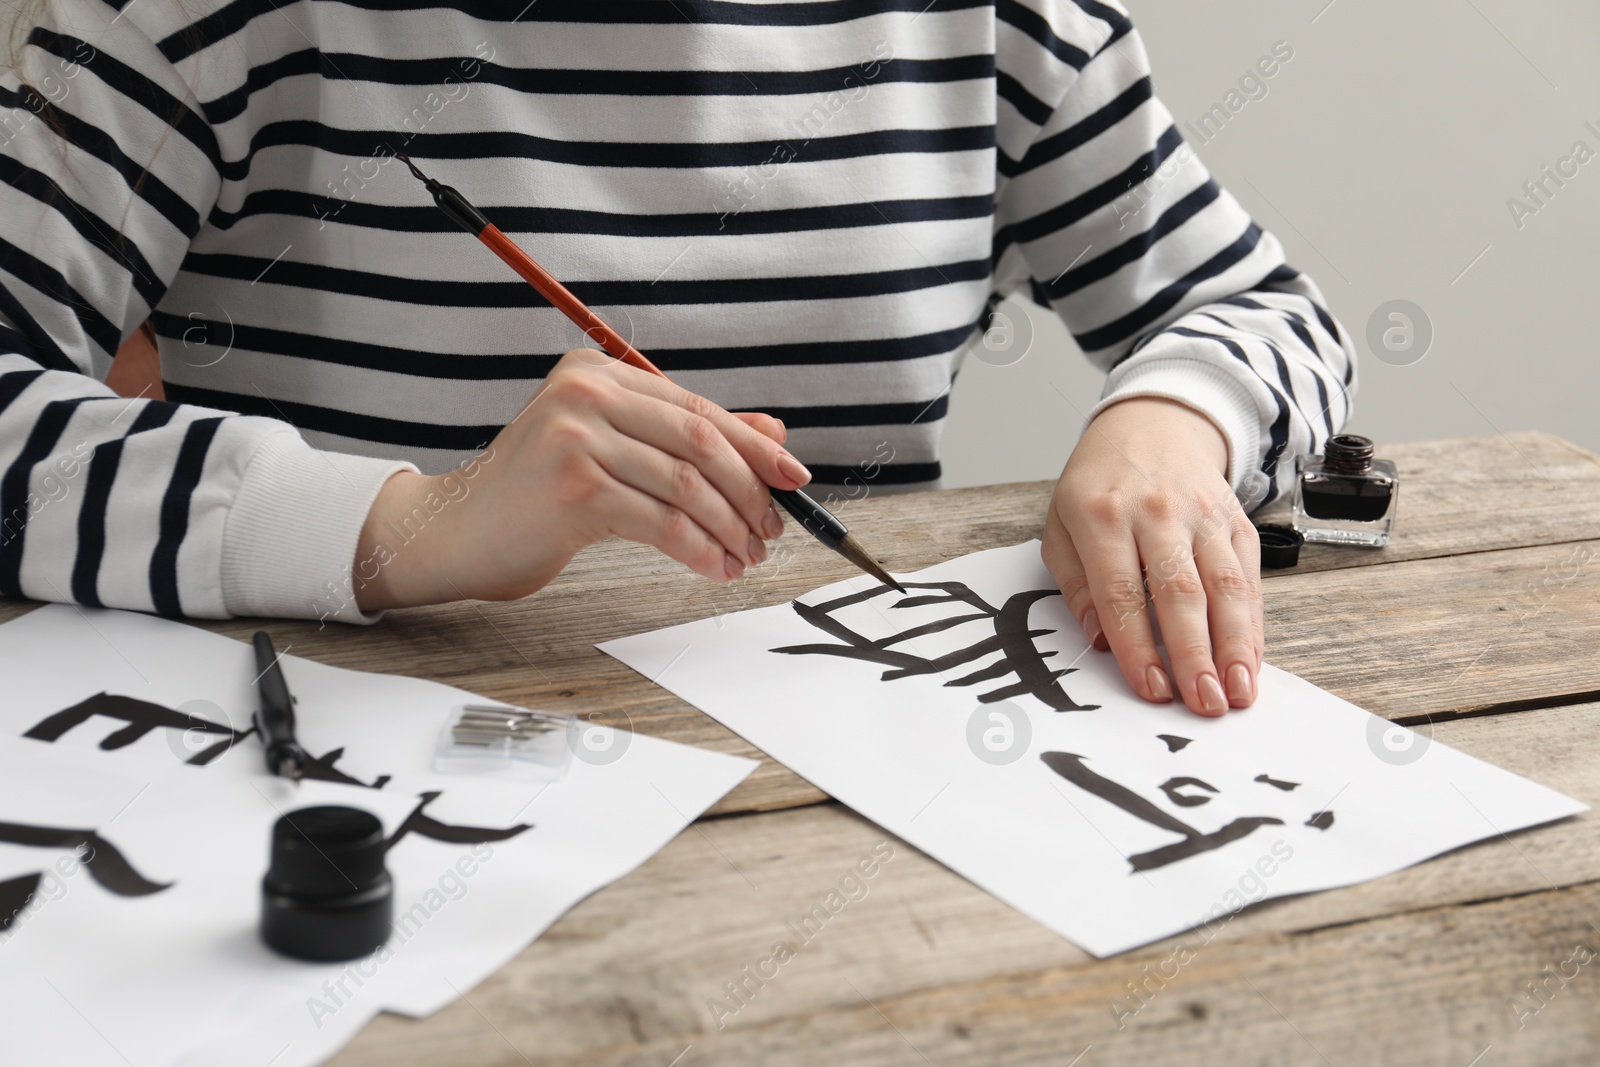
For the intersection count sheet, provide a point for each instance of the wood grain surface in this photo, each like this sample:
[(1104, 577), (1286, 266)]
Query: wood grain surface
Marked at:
[(1478, 625), (1423, 966), (1470, 625)]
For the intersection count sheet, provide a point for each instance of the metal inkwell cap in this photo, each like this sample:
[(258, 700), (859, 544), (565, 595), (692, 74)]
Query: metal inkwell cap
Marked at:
[(1280, 545), (327, 895)]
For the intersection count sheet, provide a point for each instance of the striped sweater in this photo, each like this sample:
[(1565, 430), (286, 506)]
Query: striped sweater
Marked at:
[(796, 207)]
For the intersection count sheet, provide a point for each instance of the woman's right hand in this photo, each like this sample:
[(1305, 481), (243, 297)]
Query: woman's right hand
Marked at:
[(603, 449)]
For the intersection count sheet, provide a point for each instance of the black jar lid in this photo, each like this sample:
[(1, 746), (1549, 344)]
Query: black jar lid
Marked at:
[(327, 895), (1280, 545), (326, 851)]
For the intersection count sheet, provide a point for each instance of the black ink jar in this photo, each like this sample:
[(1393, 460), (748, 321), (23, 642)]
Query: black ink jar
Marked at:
[(1345, 496), (327, 895)]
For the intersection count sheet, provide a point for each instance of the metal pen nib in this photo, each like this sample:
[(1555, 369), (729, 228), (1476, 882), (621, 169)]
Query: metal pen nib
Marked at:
[(289, 767)]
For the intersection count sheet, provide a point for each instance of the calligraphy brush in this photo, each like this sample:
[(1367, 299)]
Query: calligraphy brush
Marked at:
[(817, 520)]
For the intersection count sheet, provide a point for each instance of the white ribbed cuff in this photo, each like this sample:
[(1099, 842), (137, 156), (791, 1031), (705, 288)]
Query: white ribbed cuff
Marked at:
[(289, 544), (1208, 389)]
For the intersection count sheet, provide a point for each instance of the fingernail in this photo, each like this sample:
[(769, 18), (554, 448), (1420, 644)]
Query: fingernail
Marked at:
[(1160, 688), (772, 525), (1211, 698), (732, 566), (758, 550), (792, 469), (1091, 625), (782, 429), (1240, 691)]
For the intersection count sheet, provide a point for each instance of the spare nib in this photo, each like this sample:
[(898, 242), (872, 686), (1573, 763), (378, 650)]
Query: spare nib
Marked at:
[(851, 550), (289, 767)]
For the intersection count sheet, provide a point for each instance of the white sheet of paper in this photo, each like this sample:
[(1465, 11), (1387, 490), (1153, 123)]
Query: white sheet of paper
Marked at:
[(179, 976), (1118, 838)]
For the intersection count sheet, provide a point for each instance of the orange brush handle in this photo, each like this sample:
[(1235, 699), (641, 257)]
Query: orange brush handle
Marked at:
[(593, 326)]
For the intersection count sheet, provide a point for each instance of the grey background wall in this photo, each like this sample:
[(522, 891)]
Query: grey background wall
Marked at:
[(1383, 157)]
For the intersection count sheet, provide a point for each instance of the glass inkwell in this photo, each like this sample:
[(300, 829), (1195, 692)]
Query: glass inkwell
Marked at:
[(1345, 496)]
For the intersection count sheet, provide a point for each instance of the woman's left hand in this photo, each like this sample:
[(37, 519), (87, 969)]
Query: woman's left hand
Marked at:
[(1145, 497)]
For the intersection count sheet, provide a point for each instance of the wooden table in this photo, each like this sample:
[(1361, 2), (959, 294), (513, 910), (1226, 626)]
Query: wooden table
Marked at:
[(1479, 624)]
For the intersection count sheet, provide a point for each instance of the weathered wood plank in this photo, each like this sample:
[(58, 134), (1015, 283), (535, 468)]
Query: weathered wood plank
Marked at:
[(1395, 640), (1438, 987), (1458, 495), (1447, 636), (1419, 640), (626, 977), (1477, 494)]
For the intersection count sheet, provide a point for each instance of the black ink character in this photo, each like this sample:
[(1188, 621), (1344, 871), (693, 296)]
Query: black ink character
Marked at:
[(1071, 767), (1184, 792), (143, 717), (1172, 786), (428, 826), (1012, 639), (15, 893), (322, 769), (106, 865)]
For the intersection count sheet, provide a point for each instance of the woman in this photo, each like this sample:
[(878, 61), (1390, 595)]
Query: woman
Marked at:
[(799, 209)]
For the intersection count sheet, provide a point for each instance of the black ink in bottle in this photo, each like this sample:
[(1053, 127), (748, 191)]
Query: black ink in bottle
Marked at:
[(1345, 496)]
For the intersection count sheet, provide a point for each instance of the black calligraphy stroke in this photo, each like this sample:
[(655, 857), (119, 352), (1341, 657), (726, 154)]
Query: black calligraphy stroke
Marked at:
[(14, 896), (1174, 742), (1071, 767), (1012, 639), (427, 826), (106, 865), (1287, 787), (142, 717), (322, 769), (1172, 786)]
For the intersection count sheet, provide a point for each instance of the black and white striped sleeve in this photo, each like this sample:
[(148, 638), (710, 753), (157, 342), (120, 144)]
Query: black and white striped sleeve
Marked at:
[(1165, 282), (107, 172)]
